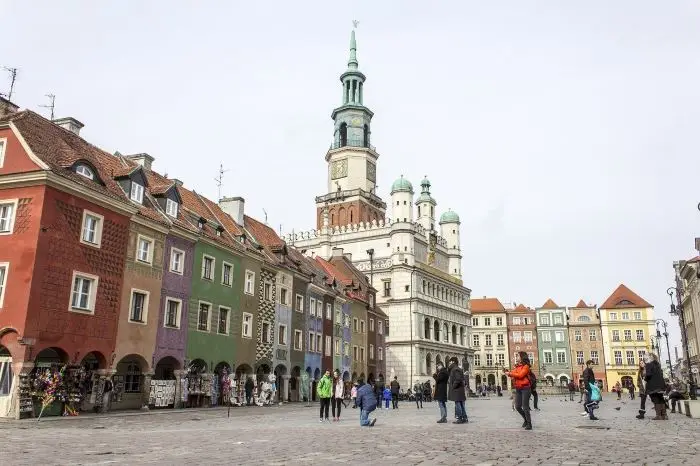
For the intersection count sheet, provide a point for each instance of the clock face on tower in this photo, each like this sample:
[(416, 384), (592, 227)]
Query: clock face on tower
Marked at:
[(371, 172), (356, 122), (339, 169)]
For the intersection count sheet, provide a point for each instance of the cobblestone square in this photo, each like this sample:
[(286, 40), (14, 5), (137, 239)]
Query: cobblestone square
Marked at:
[(292, 434)]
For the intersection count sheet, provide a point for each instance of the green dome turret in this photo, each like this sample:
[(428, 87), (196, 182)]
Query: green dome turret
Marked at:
[(402, 185), (449, 217)]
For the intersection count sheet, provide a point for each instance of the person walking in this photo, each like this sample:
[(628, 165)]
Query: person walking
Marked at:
[(631, 387), (353, 395), (107, 395), (655, 386), (324, 390), (521, 381), (572, 390), (387, 396), (588, 379), (337, 398), (367, 402), (581, 389), (249, 386), (395, 390), (418, 392), (618, 390), (642, 390), (457, 391), (441, 377)]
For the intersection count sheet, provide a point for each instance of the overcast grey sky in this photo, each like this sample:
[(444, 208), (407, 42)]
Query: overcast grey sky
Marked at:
[(565, 134)]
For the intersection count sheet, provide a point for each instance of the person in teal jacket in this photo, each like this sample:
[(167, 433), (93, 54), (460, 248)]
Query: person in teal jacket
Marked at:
[(323, 390), (387, 397)]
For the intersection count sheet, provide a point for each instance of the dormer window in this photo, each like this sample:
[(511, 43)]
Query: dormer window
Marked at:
[(218, 232), (171, 208), (84, 170), (200, 224), (136, 192)]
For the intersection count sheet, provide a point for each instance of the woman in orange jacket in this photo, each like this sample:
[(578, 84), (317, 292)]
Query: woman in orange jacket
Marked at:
[(520, 375)]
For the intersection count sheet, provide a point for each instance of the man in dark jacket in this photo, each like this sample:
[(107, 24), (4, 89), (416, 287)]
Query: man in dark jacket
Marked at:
[(588, 379), (367, 402), (395, 387), (457, 391), (442, 378)]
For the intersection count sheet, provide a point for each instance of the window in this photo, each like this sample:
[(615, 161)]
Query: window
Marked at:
[(84, 292), (267, 290), (6, 374), (171, 208), (319, 343), (144, 252), (208, 267), (300, 303), (613, 316), (499, 321), (558, 320), (592, 334), (637, 315), (328, 345), (282, 334), (488, 340), (249, 282), (355, 324), (177, 261), (7, 216), (630, 358), (547, 357), (297, 340), (386, 326), (362, 326), (3, 144), (346, 350), (579, 357), (527, 336), (362, 353), (266, 337), (136, 192), (380, 353), (544, 320), (203, 317), (559, 337), (247, 327), (371, 299), (172, 312), (594, 357), (224, 314), (618, 357), (577, 335), (516, 320), (475, 340), (546, 337), (371, 325), (477, 360), (139, 306), (312, 306), (91, 231), (132, 380), (489, 360), (499, 339), (487, 321), (561, 356), (226, 274), (329, 311), (338, 316), (336, 346), (355, 353), (475, 321), (387, 287), (628, 335), (531, 357), (85, 171), (4, 267), (311, 342), (616, 335), (284, 293), (641, 354), (516, 337), (319, 309), (625, 316)]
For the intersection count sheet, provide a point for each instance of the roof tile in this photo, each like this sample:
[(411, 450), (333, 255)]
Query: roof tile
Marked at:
[(623, 297), (486, 305), (550, 304)]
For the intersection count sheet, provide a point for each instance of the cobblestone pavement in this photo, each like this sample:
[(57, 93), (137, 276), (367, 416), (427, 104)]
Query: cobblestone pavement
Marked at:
[(292, 434)]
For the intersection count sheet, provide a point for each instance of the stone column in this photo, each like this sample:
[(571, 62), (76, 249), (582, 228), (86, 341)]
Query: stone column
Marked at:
[(21, 372), (285, 389), (146, 390), (179, 375)]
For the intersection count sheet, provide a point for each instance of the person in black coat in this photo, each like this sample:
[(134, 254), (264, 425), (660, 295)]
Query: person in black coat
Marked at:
[(442, 378), (457, 391), (655, 386)]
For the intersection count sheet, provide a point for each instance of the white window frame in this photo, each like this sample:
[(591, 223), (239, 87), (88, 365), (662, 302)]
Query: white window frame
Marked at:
[(98, 228), (144, 312), (213, 267), (13, 215), (178, 316), (267, 285), (92, 296), (300, 334), (559, 336), (136, 192), (595, 357), (336, 346), (517, 336), (3, 283), (282, 332), (362, 326), (250, 327), (173, 253), (544, 357), (249, 280), (286, 295), (171, 208), (527, 336), (380, 327), (228, 321), (371, 325), (547, 336), (149, 258), (560, 351), (299, 300), (230, 275), (380, 354), (262, 332), (3, 150), (329, 345), (312, 341), (346, 349), (329, 311), (312, 307), (211, 309), (637, 315), (592, 335), (319, 343), (84, 171), (371, 351)]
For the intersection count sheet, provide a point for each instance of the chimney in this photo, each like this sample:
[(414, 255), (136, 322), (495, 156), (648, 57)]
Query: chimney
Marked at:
[(143, 159), (337, 252), (69, 123), (235, 207), (7, 107), (178, 183), (348, 256)]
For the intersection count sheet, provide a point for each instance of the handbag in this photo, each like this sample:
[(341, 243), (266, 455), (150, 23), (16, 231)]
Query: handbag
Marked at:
[(595, 392)]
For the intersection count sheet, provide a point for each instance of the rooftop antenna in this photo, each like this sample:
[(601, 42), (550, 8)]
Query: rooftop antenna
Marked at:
[(265, 212), (13, 78), (220, 179), (52, 104)]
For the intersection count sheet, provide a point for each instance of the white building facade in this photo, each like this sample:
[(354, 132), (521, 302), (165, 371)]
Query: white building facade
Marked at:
[(413, 261)]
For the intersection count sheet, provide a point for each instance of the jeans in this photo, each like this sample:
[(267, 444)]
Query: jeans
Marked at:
[(643, 401), (419, 398), (443, 409), (394, 400), (460, 410), (535, 398), (335, 405), (325, 404), (248, 396), (386, 403), (364, 417), (522, 403), (571, 396)]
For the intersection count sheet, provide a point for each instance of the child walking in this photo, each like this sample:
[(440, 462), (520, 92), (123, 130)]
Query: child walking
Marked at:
[(387, 397)]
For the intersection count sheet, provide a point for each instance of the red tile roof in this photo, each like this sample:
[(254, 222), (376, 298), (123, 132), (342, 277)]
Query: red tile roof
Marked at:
[(582, 304), (550, 304), (486, 305), (623, 297), (522, 308)]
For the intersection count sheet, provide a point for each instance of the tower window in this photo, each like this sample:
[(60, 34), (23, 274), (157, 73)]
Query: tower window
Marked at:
[(404, 202), (419, 211), (366, 128), (350, 216), (432, 211), (343, 134)]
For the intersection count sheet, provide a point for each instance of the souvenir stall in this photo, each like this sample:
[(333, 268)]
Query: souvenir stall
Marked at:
[(198, 390), (55, 390), (162, 394)]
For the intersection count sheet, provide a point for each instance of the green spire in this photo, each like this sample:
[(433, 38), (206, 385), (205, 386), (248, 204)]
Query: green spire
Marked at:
[(352, 62)]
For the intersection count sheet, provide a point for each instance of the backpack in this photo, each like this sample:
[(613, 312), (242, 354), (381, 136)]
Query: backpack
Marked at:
[(533, 380)]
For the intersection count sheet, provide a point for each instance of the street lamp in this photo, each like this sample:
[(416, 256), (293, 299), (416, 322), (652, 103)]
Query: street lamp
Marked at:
[(677, 310), (668, 348)]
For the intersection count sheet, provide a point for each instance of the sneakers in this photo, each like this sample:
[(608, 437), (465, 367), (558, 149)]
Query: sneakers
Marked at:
[(442, 420), (373, 422)]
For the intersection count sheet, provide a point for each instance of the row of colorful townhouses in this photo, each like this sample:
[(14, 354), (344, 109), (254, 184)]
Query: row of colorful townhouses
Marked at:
[(559, 339), (110, 271)]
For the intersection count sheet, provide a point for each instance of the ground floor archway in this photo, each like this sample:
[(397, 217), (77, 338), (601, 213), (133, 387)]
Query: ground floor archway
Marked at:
[(504, 382), (491, 380), (477, 380), (129, 383), (6, 381), (166, 367)]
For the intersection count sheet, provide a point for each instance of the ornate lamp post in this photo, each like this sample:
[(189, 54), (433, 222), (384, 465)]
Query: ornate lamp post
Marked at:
[(664, 324), (677, 310)]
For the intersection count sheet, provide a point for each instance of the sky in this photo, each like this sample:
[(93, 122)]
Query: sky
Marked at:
[(563, 133)]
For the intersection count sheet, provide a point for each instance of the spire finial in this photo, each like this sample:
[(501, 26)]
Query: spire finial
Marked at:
[(352, 62)]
